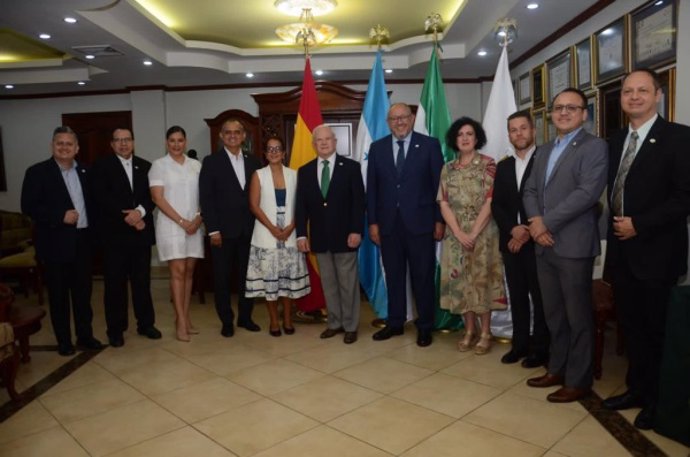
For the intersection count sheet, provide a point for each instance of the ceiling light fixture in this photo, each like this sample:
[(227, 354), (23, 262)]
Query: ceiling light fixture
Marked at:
[(81, 83), (532, 6), (389, 70), (148, 63), (9, 86), (70, 20), (249, 74), (44, 36), (89, 56), (318, 72), (482, 53), (306, 32), (295, 7)]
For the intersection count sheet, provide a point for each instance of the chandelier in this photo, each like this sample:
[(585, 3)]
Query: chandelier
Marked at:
[(295, 7), (307, 32)]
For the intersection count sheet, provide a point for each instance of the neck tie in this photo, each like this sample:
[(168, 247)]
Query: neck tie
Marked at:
[(325, 178), (626, 162), (400, 158)]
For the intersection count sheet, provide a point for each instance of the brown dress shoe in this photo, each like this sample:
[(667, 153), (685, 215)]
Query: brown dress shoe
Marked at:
[(567, 395), (546, 380), (330, 333)]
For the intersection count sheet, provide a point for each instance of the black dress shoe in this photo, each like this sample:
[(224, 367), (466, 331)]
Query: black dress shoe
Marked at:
[(151, 333), (534, 361), (249, 325), (330, 333), (275, 332), (289, 330), (645, 419), (116, 341), (424, 338), (387, 332), (89, 344), (350, 337), (511, 357), (66, 349), (626, 400), (228, 330)]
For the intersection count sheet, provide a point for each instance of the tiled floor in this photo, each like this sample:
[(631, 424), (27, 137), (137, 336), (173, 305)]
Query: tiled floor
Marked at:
[(254, 395)]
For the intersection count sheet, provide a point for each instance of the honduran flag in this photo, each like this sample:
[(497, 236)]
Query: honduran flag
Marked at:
[(308, 118), (372, 126)]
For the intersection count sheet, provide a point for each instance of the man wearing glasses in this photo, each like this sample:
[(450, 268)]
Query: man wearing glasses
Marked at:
[(402, 183), (121, 191), (560, 200)]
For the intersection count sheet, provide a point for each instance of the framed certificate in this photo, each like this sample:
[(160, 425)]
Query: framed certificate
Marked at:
[(666, 106), (592, 123), (525, 89), (538, 89), (539, 117), (550, 129), (560, 73), (610, 55), (653, 29), (583, 64)]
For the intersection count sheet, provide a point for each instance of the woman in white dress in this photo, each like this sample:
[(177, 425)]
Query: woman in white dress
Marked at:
[(276, 270), (174, 181)]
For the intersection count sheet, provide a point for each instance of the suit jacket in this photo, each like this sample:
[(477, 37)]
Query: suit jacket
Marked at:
[(45, 199), (113, 193), (413, 193), (657, 198), (224, 204), (506, 203), (568, 202), (341, 212)]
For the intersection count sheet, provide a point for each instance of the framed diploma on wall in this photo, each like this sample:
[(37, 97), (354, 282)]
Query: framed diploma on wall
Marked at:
[(538, 89), (583, 64), (610, 51), (525, 89), (560, 72), (653, 30)]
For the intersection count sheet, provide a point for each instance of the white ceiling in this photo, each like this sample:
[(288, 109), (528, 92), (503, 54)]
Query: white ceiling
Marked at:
[(129, 28)]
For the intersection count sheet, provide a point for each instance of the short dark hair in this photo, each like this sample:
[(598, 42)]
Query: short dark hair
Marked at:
[(573, 90), (175, 129), (112, 134), (233, 119), (274, 138), (65, 129), (524, 113), (652, 74), (452, 134)]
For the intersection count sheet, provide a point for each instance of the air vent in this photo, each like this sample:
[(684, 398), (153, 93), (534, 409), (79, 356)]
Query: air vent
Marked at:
[(98, 51)]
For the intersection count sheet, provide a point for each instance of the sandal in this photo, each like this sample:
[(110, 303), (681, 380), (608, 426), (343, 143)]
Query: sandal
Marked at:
[(467, 342), (484, 344)]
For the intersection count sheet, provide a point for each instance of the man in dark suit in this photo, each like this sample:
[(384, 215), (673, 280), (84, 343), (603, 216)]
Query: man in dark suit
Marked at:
[(561, 201), (56, 195), (223, 194), (517, 247), (647, 249), (330, 200), (125, 223), (402, 183)]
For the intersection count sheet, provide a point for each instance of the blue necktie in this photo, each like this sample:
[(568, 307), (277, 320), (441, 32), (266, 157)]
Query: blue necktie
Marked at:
[(400, 158)]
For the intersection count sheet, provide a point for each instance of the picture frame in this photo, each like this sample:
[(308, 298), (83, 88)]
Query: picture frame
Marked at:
[(538, 86), (550, 129), (343, 136), (560, 72), (583, 64), (539, 117), (3, 176), (666, 106), (610, 53), (525, 89), (653, 34), (591, 125)]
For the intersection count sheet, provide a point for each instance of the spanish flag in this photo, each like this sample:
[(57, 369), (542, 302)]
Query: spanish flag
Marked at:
[(308, 118)]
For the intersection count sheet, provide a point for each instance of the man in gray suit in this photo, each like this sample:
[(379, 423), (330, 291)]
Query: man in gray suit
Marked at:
[(560, 200)]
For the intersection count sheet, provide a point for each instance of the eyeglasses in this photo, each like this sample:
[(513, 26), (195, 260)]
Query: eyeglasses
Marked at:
[(570, 109), (399, 118), (274, 149), (122, 140)]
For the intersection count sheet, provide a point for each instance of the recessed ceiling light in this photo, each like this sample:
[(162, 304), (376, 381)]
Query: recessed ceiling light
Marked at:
[(9, 86), (482, 53), (249, 74), (148, 63), (70, 20), (389, 70), (44, 36), (81, 83), (89, 56), (318, 72), (532, 6), (660, 2), (608, 31)]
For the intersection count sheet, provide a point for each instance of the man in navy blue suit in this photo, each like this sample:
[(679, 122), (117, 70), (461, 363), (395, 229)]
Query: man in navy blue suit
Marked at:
[(56, 194), (402, 183)]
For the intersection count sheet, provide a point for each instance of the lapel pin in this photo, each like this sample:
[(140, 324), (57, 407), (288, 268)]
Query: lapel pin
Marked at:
[(416, 145), (652, 140), (340, 164)]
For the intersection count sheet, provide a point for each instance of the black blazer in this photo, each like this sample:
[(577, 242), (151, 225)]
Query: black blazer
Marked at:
[(45, 200), (657, 198), (112, 194), (333, 218), (224, 204), (507, 199)]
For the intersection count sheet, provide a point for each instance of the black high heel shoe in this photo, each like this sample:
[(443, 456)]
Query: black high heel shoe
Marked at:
[(274, 332), (289, 330)]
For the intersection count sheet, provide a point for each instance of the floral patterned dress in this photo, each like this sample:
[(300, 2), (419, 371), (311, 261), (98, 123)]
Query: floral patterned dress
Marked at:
[(470, 280)]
